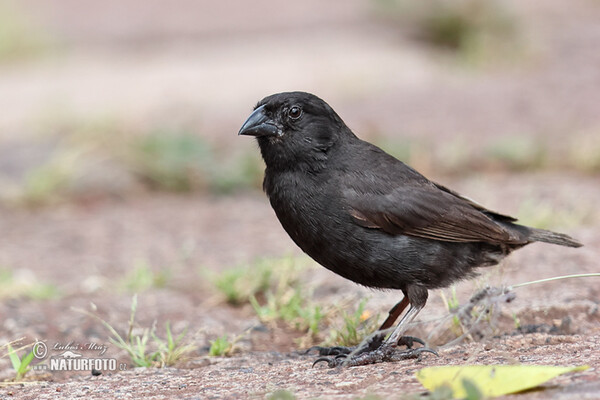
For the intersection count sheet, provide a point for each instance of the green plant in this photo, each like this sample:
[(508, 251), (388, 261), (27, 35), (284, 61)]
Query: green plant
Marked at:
[(147, 349), (475, 29), (172, 349), (516, 153), (231, 174), (51, 181), (225, 345), (452, 305), (516, 320), (291, 305), (143, 277), (135, 345), (221, 346), (356, 326), (285, 298), (472, 389), (239, 284), (20, 365), (177, 160), (171, 160), (25, 285), (443, 392)]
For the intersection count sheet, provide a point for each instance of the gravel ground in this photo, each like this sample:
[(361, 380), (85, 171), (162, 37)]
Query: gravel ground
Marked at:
[(203, 65)]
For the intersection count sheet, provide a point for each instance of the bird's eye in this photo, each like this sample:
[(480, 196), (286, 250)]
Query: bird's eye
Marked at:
[(295, 113)]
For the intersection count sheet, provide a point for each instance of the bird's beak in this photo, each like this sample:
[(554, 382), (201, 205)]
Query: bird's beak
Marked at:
[(259, 124)]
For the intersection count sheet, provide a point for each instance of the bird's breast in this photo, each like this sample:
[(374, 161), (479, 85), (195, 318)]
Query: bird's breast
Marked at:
[(306, 208)]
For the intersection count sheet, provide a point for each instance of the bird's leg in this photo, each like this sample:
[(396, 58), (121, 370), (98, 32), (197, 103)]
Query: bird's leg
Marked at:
[(403, 325), (394, 313), (417, 297), (377, 338)]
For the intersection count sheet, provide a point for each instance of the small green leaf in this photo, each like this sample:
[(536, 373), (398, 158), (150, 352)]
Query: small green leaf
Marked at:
[(472, 391), (24, 367), (14, 357)]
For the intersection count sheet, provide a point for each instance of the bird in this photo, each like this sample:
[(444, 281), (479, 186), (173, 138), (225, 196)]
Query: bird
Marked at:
[(371, 218)]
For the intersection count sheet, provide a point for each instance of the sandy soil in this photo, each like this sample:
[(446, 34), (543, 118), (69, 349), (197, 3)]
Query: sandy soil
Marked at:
[(81, 247), (207, 64)]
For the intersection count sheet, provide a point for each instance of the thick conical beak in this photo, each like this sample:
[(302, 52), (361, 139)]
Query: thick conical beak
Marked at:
[(259, 124)]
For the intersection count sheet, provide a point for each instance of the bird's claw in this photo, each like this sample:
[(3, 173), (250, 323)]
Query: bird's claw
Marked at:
[(409, 341), (412, 353), (332, 362), (331, 351), (384, 353)]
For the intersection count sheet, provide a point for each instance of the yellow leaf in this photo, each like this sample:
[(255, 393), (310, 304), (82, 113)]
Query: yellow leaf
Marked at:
[(491, 380)]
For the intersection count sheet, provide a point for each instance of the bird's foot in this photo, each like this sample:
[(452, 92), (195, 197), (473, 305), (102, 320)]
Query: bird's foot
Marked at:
[(372, 345), (409, 341), (331, 351), (386, 352)]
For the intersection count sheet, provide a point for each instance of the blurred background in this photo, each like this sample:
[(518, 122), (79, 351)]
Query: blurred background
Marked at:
[(109, 98), (121, 170)]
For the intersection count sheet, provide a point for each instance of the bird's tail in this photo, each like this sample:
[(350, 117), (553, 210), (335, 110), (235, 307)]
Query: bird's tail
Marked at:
[(542, 235)]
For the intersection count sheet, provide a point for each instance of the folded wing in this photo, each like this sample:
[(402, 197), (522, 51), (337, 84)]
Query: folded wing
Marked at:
[(427, 210)]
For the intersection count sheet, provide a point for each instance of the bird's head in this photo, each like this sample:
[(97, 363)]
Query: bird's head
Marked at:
[(294, 129)]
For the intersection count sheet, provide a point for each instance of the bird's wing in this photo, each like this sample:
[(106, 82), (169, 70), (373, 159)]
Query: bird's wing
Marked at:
[(493, 214), (424, 209)]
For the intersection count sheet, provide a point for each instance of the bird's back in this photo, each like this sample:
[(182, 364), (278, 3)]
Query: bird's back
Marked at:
[(317, 211)]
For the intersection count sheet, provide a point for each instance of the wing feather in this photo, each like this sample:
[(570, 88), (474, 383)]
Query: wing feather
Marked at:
[(427, 210)]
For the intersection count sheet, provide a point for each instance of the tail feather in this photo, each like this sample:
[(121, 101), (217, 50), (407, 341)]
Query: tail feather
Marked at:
[(542, 235)]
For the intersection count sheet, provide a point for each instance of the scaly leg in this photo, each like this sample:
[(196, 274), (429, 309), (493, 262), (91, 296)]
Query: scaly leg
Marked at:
[(377, 339), (417, 298)]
